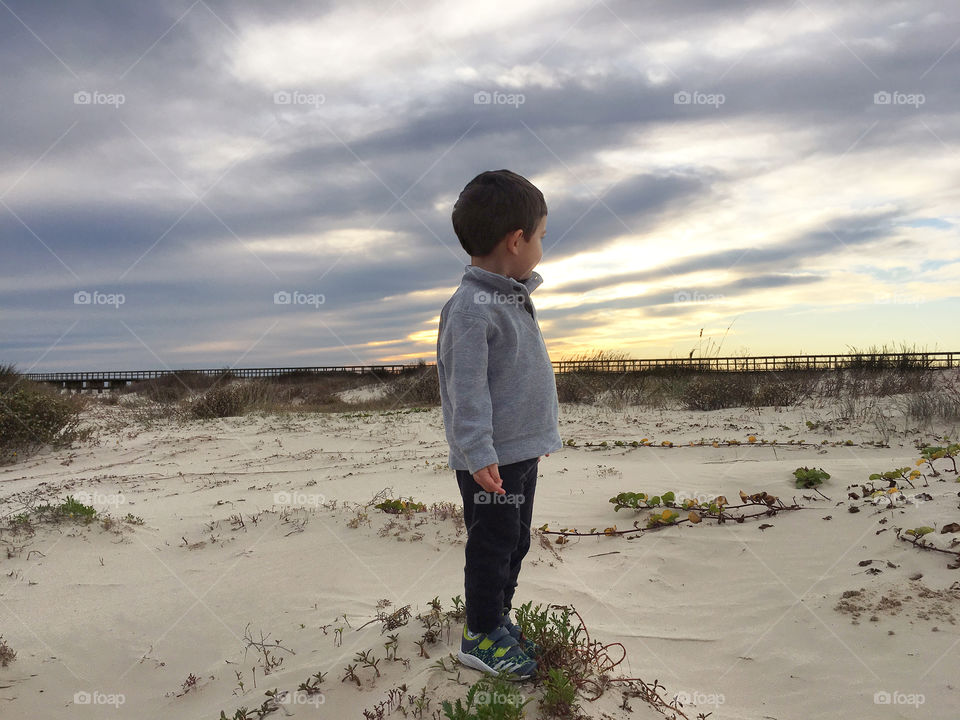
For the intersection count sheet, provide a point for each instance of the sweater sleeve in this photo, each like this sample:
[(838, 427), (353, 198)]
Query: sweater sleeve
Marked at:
[(463, 351)]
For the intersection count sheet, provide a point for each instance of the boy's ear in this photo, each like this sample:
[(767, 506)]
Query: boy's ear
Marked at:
[(513, 240)]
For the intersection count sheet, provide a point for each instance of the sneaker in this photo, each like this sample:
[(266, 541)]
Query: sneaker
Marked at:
[(528, 646), (497, 651)]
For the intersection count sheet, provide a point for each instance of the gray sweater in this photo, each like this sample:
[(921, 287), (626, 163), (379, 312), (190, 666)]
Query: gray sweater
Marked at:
[(497, 387)]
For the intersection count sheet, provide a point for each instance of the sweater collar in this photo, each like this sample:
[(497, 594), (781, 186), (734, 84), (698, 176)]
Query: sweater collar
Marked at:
[(502, 282)]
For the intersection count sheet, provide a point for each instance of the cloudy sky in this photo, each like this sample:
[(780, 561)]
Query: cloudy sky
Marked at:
[(783, 175)]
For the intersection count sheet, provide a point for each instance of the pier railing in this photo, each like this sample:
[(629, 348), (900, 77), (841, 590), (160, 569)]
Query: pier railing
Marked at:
[(760, 363), (767, 363)]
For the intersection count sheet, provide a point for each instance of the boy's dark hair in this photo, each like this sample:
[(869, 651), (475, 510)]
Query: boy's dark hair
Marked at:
[(493, 204)]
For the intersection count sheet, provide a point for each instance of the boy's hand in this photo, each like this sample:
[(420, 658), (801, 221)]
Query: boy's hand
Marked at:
[(489, 479), (542, 457)]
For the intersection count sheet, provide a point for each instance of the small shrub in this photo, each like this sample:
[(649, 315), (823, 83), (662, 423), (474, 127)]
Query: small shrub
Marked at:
[(419, 387), (7, 653), (32, 416), (777, 393), (490, 698), (714, 392), (559, 696), (810, 477), (929, 407), (69, 509), (220, 402), (561, 639), (173, 387), (578, 387), (401, 506), (8, 377)]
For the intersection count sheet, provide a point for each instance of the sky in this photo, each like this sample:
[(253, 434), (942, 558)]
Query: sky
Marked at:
[(205, 184)]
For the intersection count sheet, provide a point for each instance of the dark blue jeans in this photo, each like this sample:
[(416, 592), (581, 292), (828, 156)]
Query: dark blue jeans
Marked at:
[(498, 537)]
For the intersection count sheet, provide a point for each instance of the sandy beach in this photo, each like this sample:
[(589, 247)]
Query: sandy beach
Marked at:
[(250, 252), (255, 527)]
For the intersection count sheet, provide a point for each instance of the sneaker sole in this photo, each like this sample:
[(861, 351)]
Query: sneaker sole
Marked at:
[(472, 661)]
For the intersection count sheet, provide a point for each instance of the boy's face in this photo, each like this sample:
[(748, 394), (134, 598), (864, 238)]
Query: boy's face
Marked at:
[(531, 251)]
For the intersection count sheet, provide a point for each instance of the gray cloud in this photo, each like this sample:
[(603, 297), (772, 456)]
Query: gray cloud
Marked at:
[(843, 233), (99, 186)]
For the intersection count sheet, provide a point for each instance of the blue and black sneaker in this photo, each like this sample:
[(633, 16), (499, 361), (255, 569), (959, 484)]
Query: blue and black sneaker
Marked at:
[(497, 651), (528, 646)]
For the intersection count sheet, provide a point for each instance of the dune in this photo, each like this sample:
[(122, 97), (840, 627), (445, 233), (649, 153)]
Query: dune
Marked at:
[(246, 556)]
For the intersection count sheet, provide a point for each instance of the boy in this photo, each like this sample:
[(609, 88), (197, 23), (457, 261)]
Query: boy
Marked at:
[(499, 399)]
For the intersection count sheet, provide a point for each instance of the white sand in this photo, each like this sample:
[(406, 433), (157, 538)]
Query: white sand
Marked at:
[(728, 614), (361, 394)]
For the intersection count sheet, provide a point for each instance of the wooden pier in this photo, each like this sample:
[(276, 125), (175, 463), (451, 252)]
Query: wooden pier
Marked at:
[(106, 379)]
